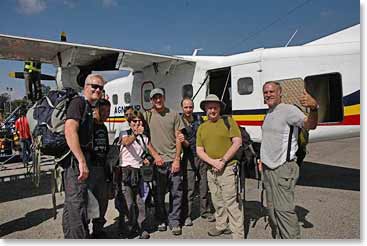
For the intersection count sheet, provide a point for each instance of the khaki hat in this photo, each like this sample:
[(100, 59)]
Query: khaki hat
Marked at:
[(212, 98), (156, 91)]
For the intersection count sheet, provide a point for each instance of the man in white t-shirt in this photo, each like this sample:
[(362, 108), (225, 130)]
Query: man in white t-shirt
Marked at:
[(278, 159)]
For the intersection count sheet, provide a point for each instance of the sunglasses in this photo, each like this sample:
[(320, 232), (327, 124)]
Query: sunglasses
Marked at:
[(135, 121), (95, 86)]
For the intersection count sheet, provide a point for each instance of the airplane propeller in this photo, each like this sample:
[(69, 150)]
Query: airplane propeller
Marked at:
[(33, 76)]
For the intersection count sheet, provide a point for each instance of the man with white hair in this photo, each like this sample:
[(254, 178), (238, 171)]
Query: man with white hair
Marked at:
[(78, 134)]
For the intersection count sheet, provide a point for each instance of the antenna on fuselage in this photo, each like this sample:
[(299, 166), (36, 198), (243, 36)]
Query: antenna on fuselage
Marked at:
[(294, 34), (194, 53)]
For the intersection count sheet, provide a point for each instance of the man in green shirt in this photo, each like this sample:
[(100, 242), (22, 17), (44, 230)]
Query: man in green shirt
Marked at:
[(216, 145)]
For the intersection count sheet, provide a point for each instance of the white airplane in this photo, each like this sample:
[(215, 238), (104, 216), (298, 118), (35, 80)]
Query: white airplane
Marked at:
[(329, 68)]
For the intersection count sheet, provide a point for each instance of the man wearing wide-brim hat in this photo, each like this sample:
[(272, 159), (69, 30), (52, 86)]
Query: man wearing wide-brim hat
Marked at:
[(216, 145)]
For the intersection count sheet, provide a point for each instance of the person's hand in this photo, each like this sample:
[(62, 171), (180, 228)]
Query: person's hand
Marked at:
[(83, 171), (139, 129), (145, 161), (218, 165), (180, 137), (260, 165), (158, 160), (175, 166), (308, 101)]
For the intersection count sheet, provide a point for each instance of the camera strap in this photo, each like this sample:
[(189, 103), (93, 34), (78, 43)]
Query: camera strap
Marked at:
[(144, 146)]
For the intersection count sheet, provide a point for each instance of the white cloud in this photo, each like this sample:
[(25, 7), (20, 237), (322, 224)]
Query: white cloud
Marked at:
[(109, 3), (70, 3), (30, 7)]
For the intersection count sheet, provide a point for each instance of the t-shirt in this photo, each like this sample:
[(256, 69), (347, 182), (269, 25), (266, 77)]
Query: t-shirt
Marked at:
[(130, 155), (275, 134), (216, 138), (23, 127), (100, 144), (76, 111), (163, 127)]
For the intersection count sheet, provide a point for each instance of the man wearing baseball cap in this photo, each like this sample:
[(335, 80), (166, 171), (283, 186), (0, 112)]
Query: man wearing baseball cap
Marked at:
[(216, 145), (165, 124)]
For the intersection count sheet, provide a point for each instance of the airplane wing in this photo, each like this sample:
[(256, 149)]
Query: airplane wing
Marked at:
[(65, 54)]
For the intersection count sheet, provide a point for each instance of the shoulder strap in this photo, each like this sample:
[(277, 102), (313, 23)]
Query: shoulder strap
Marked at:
[(289, 142), (148, 115), (226, 122), (187, 127)]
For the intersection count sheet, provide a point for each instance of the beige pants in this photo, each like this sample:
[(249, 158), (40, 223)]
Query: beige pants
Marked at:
[(222, 186)]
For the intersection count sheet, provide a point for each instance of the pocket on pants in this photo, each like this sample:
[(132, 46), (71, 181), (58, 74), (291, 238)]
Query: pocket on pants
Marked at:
[(286, 176)]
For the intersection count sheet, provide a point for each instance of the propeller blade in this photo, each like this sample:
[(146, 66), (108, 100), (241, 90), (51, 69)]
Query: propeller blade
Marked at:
[(16, 75)]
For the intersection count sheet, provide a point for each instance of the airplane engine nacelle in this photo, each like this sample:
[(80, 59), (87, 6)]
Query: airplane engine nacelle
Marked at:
[(71, 77)]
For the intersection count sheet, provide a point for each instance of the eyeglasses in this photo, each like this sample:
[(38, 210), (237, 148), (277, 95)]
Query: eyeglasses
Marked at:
[(95, 86), (135, 121)]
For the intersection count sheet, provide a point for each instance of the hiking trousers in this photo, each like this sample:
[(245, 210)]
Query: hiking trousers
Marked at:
[(134, 206), (222, 186), (98, 186), (173, 182), (279, 186), (194, 169), (75, 218)]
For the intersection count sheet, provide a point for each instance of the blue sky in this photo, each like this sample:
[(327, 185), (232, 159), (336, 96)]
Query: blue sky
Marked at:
[(173, 27)]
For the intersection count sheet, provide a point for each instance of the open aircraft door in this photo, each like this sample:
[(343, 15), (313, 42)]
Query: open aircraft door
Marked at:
[(247, 97)]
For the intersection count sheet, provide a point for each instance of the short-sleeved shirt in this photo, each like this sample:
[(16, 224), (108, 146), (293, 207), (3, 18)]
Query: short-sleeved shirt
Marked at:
[(23, 127), (163, 127), (275, 134), (216, 138), (130, 155), (76, 111), (100, 144)]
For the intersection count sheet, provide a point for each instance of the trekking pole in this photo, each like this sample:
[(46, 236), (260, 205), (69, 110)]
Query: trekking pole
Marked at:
[(242, 180)]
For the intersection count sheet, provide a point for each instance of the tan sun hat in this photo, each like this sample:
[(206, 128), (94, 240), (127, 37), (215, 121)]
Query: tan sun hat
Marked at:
[(212, 98)]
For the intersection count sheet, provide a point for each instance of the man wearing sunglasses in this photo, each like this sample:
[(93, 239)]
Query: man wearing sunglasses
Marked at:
[(79, 137)]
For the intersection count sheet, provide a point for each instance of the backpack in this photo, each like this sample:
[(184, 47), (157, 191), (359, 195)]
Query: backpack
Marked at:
[(302, 141), (246, 152), (47, 121)]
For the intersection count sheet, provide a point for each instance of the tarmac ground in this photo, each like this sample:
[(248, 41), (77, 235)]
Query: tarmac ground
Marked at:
[(327, 201)]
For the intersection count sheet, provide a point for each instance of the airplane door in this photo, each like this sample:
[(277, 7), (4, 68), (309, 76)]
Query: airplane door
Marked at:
[(146, 88), (246, 87)]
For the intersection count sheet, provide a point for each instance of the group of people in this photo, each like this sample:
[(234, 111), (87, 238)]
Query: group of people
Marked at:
[(161, 151)]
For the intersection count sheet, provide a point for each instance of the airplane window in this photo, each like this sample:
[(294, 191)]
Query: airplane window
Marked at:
[(187, 91), (114, 99), (127, 97), (245, 86), (147, 95)]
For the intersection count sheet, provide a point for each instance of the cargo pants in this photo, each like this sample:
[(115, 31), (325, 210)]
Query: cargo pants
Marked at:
[(222, 186), (279, 185), (75, 217), (194, 168), (164, 180)]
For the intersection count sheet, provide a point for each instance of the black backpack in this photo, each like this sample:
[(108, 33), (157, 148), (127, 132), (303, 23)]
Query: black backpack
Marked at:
[(47, 121), (246, 152)]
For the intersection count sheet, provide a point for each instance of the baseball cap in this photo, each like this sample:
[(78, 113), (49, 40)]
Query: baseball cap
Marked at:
[(156, 91)]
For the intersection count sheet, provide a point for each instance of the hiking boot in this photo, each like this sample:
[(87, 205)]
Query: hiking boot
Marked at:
[(188, 222), (162, 227), (176, 230), (144, 235), (215, 232)]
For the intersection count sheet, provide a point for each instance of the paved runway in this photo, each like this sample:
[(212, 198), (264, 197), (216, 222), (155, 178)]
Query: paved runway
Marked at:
[(327, 199)]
